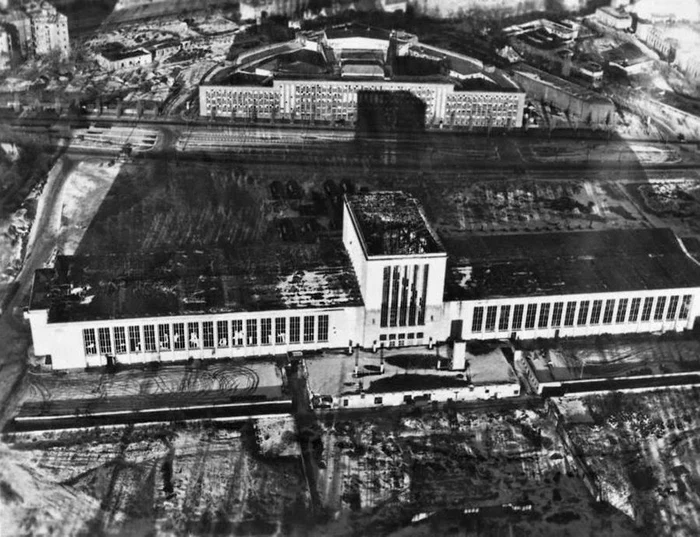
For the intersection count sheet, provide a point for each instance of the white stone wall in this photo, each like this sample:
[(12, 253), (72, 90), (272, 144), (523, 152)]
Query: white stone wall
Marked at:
[(465, 311), (64, 341)]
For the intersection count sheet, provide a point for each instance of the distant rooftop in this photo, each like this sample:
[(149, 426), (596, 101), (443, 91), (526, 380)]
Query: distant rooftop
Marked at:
[(116, 55), (529, 72), (522, 265), (392, 223), (354, 29), (161, 284)]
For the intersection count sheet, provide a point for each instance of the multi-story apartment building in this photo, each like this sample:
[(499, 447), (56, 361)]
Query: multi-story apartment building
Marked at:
[(6, 49), (456, 89), (21, 28), (392, 281), (49, 29)]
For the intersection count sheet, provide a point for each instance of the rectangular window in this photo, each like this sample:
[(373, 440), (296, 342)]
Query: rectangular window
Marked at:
[(251, 330), (621, 310), (384, 315), (518, 317), (105, 341), (120, 339), (660, 306), (557, 313), (634, 310), (530, 316), (569, 315), (149, 336), (323, 328), (134, 339), (394, 310), (89, 341), (504, 319), (583, 313), (164, 336), (646, 310), (685, 307), (596, 311), (403, 310), (265, 331), (609, 309), (672, 308), (280, 331), (295, 329), (424, 295), (543, 321), (477, 319), (208, 334), (237, 334), (222, 333), (193, 335), (491, 318), (179, 339), (309, 329)]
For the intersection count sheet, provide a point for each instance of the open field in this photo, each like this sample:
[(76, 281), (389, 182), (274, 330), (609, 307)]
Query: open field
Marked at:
[(166, 205), (171, 480), (644, 451), (380, 473)]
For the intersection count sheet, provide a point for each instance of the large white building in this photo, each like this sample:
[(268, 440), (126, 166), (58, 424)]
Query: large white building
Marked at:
[(5, 49), (39, 29), (392, 281), (318, 77)]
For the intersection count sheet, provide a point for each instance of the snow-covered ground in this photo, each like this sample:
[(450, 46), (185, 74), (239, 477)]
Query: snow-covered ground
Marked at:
[(13, 233), (644, 450), (84, 190), (277, 437), (32, 503), (166, 480)]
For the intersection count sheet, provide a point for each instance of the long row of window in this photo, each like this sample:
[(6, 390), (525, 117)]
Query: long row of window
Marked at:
[(206, 335), (580, 313), (404, 294)]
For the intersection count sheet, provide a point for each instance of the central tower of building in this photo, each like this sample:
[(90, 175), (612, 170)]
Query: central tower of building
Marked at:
[(400, 266)]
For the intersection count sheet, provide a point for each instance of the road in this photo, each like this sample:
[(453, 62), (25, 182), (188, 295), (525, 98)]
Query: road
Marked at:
[(213, 413), (14, 332)]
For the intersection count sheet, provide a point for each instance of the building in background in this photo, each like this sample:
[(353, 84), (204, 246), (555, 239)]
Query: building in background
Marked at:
[(317, 77), (577, 102), (6, 49), (615, 18), (20, 26), (49, 29)]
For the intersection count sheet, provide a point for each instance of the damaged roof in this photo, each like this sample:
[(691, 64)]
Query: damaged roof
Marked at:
[(220, 281), (392, 223), (566, 263)]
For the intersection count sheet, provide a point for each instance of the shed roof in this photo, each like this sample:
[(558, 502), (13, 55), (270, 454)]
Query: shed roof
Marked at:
[(161, 284), (567, 263)]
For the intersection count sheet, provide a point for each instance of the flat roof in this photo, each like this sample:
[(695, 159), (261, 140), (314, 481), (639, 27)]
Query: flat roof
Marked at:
[(523, 70), (229, 280), (520, 265), (392, 223), (116, 55)]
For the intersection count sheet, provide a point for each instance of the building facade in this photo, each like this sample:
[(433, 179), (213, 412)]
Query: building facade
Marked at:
[(409, 289), (49, 29), (6, 49), (122, 60), (336, 100)]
